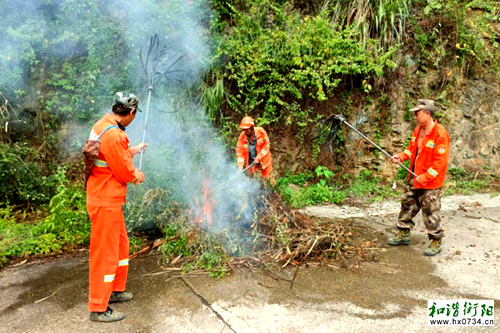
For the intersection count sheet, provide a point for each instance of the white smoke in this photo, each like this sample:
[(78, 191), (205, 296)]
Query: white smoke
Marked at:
[(185, 152), (184, 148), (191, 151)]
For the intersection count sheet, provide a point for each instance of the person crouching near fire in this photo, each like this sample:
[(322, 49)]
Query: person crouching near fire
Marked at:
[(254, 150)]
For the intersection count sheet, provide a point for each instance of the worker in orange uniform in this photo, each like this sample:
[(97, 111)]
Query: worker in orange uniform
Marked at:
[(106, 191), (428, 152), (253, 149)]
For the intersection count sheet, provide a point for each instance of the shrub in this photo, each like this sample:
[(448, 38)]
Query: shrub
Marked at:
[(275, 57), (23, 176), (66, 225)]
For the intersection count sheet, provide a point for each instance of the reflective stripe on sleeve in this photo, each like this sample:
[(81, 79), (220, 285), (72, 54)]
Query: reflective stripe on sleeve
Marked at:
[(245, 146), (260, 140), (123, 262), (109, 278), (433, 172), (100, 163), (240, 159), (264, 152), (407, 152)]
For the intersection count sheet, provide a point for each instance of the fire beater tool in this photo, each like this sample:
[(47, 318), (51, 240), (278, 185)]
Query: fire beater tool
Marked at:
[(155, 69)]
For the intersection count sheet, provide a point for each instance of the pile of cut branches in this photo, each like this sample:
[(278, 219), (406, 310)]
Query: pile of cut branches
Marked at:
[(287, 236)]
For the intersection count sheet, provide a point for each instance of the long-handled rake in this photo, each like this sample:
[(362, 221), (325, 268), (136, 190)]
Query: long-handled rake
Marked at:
[(334, 123)]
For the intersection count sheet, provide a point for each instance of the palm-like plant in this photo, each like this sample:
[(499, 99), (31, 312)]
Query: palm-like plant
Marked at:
[(212, 94), (380, 19)]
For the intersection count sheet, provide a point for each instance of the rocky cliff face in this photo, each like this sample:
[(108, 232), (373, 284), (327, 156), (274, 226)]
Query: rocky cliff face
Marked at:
[(472, 120), (471, 114), (475, 127)]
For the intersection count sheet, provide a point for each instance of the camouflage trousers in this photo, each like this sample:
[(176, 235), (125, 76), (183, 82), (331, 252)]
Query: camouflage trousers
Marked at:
[(429, 201)]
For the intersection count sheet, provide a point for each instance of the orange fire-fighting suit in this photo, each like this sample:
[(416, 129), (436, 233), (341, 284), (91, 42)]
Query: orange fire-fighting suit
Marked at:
[(106, 191), (431, 163), (263, 147)]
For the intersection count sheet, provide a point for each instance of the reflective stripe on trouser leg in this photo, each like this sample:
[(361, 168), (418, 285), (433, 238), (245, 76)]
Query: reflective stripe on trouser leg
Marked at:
[(109, 278), (410, 206), (122, 270), (430, 201), (104, 254)]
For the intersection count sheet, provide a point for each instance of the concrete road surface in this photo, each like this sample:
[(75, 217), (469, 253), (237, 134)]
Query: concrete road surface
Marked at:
[(385, 296)]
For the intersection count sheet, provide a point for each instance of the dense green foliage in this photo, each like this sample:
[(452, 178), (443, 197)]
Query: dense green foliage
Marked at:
[(65, 226), (65, 47), (454, 36), (79, 53), (383, 20), (324, 188), (23, 177), (275, 56)]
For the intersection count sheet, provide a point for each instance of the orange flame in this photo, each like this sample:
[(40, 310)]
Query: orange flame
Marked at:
[(204, 209)]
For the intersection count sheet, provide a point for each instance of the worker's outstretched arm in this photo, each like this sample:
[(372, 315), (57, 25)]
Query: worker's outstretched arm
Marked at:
[(137, 149)]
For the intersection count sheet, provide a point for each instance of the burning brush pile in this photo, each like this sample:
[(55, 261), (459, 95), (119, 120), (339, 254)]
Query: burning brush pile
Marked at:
[(265, 229), (262, 230), (210, 217)]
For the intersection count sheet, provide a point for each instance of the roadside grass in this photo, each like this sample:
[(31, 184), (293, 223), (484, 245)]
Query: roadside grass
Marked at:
[(465, 182), (320, 187), (60, 226), (306, 189)]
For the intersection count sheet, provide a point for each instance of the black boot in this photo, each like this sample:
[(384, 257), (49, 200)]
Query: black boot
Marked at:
[(120, 296), (107, 316)]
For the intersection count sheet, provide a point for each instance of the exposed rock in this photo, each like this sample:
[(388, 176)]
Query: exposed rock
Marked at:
[(473, 165)]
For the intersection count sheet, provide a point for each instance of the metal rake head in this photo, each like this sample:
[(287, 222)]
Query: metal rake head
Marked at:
[(158, 65)]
